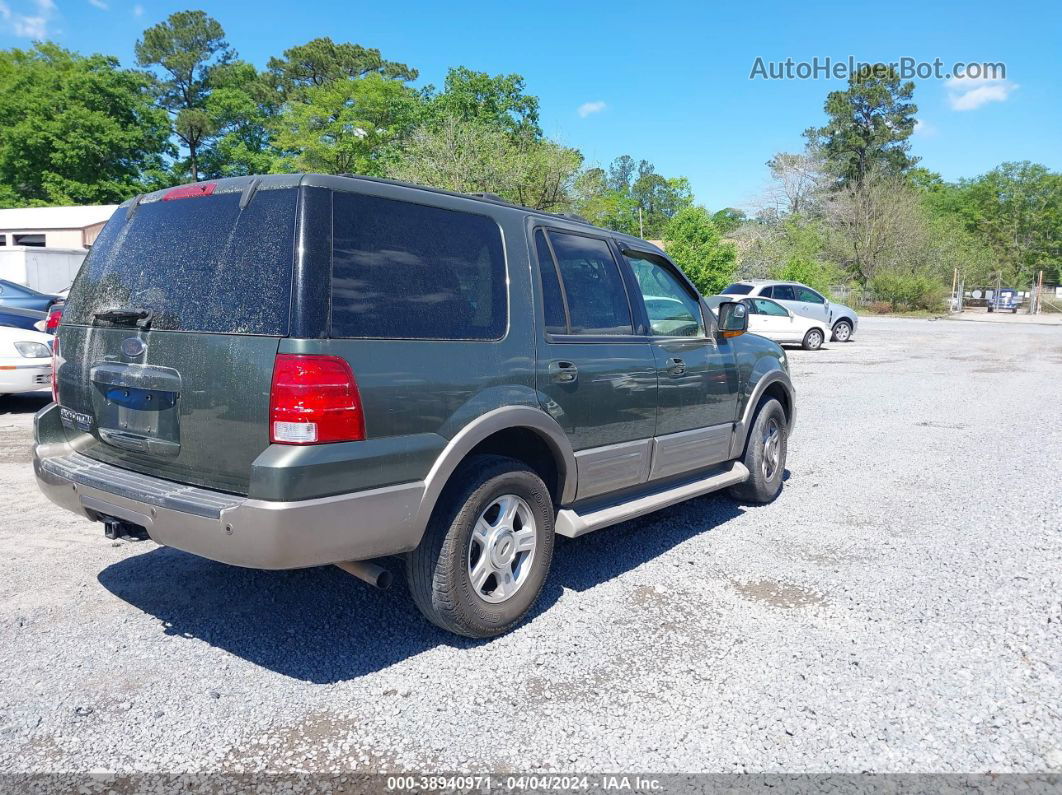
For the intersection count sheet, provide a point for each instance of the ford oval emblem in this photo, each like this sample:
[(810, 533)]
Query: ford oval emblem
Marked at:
[(133, 346)]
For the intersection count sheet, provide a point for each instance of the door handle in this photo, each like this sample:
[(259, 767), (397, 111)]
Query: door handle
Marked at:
[(676, 367), (563, 372)]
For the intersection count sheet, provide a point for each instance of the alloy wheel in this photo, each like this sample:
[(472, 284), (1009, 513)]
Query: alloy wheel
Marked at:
[(502, 549)]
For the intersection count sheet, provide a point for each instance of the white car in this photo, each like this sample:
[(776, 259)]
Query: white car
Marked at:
[(772, 320), (842, 320), (25, 360)]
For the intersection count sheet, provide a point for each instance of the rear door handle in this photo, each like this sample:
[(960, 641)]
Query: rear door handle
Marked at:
[(676, 367), (563, 372)]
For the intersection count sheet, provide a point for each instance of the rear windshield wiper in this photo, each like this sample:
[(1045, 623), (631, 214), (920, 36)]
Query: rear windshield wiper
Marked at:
[(140, 317)]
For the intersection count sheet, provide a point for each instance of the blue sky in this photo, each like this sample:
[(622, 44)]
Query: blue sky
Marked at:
[(668, 82)]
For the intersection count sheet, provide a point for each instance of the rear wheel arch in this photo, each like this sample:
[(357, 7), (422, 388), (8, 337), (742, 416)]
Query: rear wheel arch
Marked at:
[(526, 434)]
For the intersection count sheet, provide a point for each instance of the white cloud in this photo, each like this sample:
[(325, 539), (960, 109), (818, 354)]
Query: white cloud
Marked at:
[(970, 93), (28, 25), (588, 108), (924, 129), (138, 10), (102, 6)]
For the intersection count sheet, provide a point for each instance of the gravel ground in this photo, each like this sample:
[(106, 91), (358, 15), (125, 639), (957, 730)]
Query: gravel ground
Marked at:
[(896, 609)]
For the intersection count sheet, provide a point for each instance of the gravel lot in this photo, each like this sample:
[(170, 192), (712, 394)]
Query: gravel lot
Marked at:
[(899, 608)]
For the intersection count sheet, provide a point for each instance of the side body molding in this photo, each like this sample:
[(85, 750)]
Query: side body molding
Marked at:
[(490, 423)]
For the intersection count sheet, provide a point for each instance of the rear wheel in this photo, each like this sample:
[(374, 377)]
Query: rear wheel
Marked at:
[(842, 331), (764, 457), (813, 340), (487, 550)]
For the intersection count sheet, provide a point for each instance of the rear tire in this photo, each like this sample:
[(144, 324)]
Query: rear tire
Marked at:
[(487, 549), (842, 331), (765, 453), (812, 340)]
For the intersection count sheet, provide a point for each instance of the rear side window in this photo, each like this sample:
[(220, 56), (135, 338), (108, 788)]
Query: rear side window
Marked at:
[(408, 271), (198, 264), (782, 292), (737, 289), (596, 299), (552, 298)]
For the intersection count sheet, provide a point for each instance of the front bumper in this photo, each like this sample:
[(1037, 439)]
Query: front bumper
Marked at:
[(230, 528), (23, 377)]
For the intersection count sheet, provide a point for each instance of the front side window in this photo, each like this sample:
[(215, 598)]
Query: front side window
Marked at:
[(808, 295), (409, 271), (761, 306), (672, 311), (593, 288)]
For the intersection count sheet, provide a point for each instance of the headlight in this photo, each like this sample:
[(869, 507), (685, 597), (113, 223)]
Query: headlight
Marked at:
[(33, 350)]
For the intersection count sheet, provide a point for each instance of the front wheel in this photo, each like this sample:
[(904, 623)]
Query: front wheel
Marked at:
[(487, 549), (842, 331), (812, 340), (764, 457)]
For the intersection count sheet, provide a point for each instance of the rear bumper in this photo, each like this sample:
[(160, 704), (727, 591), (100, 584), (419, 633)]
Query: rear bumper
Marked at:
[(229, 528)]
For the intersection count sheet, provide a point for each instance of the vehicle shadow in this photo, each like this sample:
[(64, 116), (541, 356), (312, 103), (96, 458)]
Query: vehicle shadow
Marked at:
[(24, 402), (320, 625)]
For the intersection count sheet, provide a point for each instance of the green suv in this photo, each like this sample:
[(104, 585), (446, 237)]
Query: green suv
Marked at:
[(291, 371)]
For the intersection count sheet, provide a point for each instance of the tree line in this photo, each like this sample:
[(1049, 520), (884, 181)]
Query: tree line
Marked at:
[(852, 207)]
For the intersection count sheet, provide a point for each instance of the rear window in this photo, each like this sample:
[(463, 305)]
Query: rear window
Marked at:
[(197, 264), (737, 289), (409, 271)]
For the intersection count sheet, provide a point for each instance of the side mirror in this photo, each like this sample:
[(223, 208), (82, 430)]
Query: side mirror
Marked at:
[(733, 319)]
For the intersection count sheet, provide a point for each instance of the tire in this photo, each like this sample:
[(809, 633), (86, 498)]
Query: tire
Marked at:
[(765, 471), (469, 531), (842, 331), (812, 340), (990, 310)]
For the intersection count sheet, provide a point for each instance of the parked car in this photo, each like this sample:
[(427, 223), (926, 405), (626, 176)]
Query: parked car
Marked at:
[(842, 320), (14, 317), (22, 297), (772, 320), (1005, 299), (400, 382), (25, 360)]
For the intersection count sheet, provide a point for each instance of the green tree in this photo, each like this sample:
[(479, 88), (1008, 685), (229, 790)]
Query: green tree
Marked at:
[(474, 157), (187, 47), (345, 126), (631, 197), (728, 220), (242, 108), (499, 101), (322, 61), (869, 126), (692, 240), (1016, 209), (75, 129)]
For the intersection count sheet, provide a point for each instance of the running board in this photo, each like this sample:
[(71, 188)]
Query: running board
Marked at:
[(573, 524)]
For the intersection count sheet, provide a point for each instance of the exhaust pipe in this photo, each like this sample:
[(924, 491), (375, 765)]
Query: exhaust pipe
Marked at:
[(367, 571)]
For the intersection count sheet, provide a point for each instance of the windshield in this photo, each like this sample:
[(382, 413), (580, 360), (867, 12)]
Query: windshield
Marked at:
[(737, 289), (199, 264)]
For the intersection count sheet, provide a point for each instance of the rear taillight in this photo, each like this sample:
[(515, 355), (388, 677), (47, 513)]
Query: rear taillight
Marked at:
[(55, 317), (314, 400), (55, 370)]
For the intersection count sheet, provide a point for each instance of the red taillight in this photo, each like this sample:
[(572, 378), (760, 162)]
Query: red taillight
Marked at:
[(314, 400), (55, 316), (55, 370), (190, 191)]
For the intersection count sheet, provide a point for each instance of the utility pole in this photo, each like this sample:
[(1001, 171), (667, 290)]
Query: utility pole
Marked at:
[(641, 226)]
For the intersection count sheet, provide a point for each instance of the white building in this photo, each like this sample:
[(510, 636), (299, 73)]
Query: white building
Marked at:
[(43, 247)]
